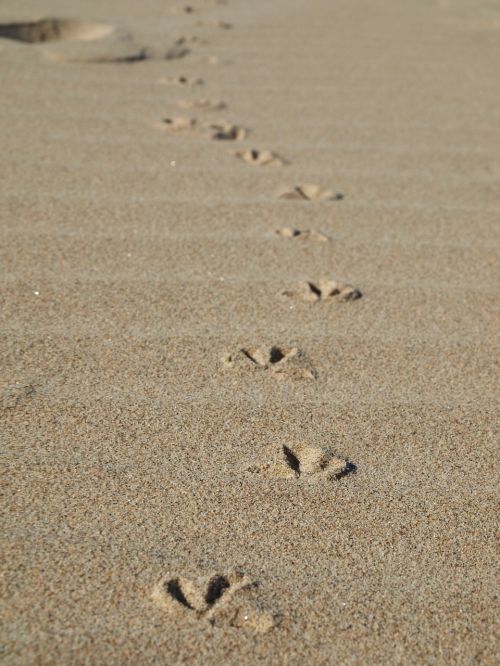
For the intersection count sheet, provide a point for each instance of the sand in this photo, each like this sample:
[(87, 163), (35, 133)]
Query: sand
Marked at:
[(248, 381)]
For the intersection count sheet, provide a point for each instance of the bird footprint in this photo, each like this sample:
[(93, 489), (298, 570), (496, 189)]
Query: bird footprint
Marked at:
[(300, 460), (227, 132), (324, 290), (291, 363), (299, 234), (220, 599), (310, 192), (205, 104), (260, 158)]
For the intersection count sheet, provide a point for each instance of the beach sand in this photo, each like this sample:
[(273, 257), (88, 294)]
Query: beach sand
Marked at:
[(249, 307)]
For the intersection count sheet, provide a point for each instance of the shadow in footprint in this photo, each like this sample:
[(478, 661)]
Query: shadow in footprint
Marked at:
[(174, 589), (216, 588)]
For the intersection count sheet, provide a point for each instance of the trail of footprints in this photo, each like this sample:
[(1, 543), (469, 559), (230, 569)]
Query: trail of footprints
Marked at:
[(222, 599), (230, 599)]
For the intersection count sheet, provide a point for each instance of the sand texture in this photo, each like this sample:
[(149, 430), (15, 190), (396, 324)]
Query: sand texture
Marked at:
[(249, 315)]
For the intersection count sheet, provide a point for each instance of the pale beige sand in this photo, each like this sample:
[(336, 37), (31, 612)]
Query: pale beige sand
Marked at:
[(328, 494)]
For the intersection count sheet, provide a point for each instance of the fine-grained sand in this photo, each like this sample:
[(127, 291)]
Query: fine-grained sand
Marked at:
[(249, 305)]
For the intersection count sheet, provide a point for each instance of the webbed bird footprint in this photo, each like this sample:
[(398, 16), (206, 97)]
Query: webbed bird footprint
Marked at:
[(220, 599), (291, 363), (324, 290), (179, 124), (260, 158), (298, 461), (302, 234), (226, 131), (310, 192)]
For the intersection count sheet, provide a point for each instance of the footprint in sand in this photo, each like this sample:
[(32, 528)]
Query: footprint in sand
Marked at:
[(184, 40), (227, 132), (291, 363), (16, 395), (177, 52), (324, 290), (260, 158), (53, 30), (178, 124), (180, 81), (302, 234), (221, 132), (78, 41), (202, 104), (192, 9), (310, 192), (300, 461), (184, 9), (217, 598)]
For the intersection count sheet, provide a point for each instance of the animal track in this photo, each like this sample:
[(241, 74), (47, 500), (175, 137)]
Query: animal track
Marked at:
[(220, 599), (177, 52), (179, 124), (306, 234), (14, 395), (310, 192), (206, 104), (324, 290), (219, 131), (222, 132), (227, 132), (53, 29), (300, 460), (260, 157), (190, 39), (78, 42), (181, 81), (282, 363)]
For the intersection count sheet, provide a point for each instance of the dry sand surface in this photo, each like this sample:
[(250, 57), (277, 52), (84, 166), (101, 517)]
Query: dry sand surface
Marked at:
[(249, 319)]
